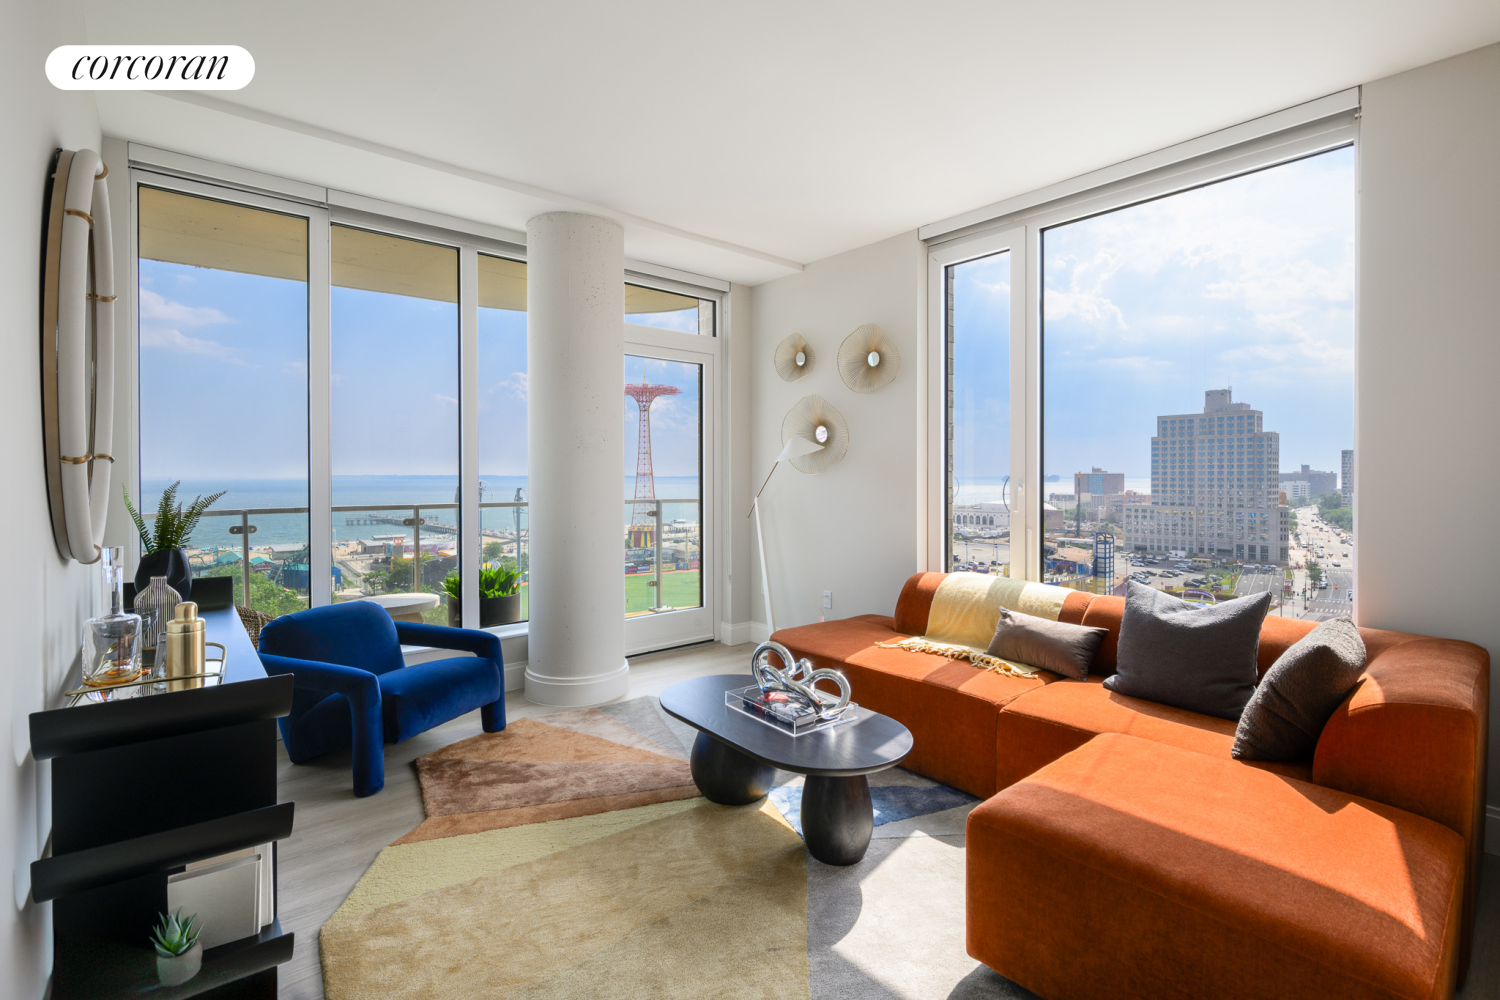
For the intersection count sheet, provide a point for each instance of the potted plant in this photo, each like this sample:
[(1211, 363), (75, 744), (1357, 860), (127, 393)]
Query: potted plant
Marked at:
[(499, 597), (179, 955), (161, 547)]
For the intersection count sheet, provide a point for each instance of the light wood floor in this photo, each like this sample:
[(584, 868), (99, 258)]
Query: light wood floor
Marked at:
[(336, 836)]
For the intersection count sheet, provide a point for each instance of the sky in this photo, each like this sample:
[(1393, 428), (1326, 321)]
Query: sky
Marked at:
[(224, 382), (1246, 283)]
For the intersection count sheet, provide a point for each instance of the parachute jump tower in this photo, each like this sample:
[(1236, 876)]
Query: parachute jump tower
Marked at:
[(643, 521)]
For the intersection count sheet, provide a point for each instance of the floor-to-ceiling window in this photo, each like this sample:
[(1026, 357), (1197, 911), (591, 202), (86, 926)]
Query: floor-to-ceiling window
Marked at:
[(977, 321), (1197, 356), (395, 418), (503, 524), (223, 333), (332, 369)]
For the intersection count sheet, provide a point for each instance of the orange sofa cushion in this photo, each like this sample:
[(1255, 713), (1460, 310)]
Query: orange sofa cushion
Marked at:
[(950, 706), (1132, 869), (1035, 730), (1415, 733)]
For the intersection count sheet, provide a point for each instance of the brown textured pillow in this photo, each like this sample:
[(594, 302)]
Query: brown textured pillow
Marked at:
[(1286, 714), (1056, 646)]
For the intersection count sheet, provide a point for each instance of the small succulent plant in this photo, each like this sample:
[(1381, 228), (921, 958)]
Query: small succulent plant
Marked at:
[(174, 935)]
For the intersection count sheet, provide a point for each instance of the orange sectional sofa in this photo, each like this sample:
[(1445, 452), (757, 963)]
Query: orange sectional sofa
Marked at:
[(1410, 742)]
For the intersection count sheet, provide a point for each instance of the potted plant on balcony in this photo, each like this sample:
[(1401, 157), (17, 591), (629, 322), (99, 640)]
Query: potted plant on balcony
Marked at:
[(499, 597), (161, 546), (179, 954)]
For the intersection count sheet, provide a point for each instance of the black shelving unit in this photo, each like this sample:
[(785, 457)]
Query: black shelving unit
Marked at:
[(141, 788)]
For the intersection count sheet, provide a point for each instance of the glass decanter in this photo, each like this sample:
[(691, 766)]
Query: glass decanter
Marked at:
[(112, 642)]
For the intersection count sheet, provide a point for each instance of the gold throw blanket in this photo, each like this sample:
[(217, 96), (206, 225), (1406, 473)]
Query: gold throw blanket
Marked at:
[(966, 608)]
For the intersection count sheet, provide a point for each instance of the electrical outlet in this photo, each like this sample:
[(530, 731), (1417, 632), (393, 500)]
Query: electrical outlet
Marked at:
[(827, 598)]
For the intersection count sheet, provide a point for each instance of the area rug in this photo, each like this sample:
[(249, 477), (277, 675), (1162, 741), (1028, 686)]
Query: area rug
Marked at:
[(671, 898), (569, 764)]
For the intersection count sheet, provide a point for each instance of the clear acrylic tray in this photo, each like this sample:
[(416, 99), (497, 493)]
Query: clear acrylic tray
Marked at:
[(747, 701)]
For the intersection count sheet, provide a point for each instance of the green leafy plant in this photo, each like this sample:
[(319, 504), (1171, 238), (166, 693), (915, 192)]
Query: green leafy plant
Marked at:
[(173, 524), (175, 936), (494, 581)]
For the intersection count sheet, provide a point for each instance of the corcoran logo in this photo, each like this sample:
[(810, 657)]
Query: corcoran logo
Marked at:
[(150, 67)]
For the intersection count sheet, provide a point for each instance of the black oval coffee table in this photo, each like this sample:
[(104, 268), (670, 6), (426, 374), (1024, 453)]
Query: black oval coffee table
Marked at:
[(734, 758)]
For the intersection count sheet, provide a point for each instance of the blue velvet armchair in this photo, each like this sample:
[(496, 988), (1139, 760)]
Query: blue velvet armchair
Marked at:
[(352, 688)]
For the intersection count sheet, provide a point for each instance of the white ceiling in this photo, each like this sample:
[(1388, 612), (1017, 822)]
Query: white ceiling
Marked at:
[(739, 140)]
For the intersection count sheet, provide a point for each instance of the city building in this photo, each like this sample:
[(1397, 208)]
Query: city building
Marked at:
[(1129, 498), (1319, 482), (1211, 488), (1346, 482), (1300, 489), (1098, 483), (986, 516)]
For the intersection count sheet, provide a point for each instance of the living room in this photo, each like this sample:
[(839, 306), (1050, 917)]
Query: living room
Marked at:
[(1061, 326)]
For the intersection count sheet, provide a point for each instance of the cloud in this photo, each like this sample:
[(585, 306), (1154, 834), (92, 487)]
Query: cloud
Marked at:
[(157, 307), (515, 387), (438, 397), (172, 339), (294, 368)]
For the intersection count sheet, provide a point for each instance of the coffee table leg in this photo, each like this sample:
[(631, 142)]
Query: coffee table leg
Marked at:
[(837, 818), (728, 777)]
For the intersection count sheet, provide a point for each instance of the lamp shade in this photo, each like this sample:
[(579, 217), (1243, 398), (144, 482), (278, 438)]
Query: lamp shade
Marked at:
[(796, 447), (815, 420)]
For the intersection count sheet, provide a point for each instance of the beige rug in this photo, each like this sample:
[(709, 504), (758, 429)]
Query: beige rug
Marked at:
[(673, 898)]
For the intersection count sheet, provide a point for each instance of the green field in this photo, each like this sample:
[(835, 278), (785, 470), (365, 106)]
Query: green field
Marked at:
[(679, 589)]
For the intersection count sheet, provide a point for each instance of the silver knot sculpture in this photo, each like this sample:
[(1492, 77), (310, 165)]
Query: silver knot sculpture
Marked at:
[(798, 677)]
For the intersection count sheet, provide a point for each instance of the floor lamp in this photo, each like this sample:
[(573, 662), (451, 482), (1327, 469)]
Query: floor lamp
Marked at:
[(795, 447)]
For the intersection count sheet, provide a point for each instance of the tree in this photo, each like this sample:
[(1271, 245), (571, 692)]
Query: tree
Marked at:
[(1314, 571), (265, 594)]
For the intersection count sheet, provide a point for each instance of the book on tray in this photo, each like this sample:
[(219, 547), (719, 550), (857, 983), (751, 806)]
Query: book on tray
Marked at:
[(786, 710)]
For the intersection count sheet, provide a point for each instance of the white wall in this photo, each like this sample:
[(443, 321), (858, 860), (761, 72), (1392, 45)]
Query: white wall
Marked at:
[(1429, 352), (850, 530), (45, 601)]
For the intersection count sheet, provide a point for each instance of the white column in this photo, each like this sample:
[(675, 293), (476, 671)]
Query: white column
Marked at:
[(575, 343)]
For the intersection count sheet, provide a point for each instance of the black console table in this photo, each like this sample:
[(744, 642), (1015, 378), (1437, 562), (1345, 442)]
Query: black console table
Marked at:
[(141, 788)]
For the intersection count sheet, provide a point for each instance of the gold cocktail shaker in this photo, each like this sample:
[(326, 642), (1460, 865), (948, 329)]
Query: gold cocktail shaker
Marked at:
[(186, 655)]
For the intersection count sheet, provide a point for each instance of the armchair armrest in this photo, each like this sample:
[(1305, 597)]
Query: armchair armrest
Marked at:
[(468, 640), (334, 678), (367, 729)]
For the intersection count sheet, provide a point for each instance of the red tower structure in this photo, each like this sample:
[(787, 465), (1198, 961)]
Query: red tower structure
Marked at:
[(642, 521)]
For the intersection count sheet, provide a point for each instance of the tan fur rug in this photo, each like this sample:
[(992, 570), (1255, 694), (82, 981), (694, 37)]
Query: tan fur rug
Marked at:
[(575, 763)]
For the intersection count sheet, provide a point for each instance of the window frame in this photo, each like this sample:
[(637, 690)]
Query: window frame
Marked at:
[(1021, 231), (324, 208)]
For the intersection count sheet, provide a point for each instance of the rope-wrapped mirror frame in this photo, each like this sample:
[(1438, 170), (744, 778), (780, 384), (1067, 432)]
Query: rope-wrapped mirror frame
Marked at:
[(78, 353)]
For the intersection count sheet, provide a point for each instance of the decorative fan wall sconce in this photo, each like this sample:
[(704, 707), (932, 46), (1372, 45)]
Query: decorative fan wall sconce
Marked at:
[(868, 359), (815, 419), (794, 358), (78, 353)]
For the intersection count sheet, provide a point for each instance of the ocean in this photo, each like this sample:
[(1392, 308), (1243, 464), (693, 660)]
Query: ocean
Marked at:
[(989, 490), (397, 491)]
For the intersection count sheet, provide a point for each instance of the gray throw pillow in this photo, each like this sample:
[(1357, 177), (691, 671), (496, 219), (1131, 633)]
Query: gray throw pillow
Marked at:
[(1286, 714), (1202, 659), (1056, 646)]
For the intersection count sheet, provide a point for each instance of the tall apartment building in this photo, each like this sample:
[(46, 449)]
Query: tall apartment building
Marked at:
[(1319, 482), (1346, 480), (1098, 483), (1214, 487)]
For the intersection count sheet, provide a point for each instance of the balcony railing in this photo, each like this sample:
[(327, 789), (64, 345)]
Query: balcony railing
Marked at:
[(429, 519)]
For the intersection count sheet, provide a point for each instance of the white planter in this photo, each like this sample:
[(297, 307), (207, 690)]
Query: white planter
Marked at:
[(179, 969)]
